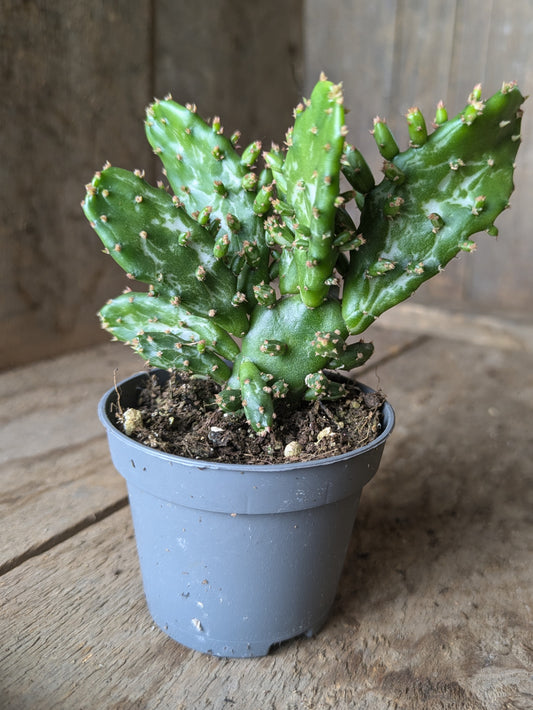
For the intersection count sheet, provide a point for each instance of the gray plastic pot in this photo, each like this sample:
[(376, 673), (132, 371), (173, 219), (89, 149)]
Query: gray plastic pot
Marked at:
[(237, 558)]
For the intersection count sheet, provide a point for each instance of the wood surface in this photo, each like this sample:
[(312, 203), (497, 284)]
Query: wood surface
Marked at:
[(393, 54), (75, 79), (434, 606), (64, 112), (54, 462)]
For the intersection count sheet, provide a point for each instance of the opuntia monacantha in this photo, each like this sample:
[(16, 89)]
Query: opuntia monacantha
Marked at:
[(245, 266)]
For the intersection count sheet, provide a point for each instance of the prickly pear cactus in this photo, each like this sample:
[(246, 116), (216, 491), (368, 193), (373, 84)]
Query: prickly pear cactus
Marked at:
[(244, 265), (435, 196)]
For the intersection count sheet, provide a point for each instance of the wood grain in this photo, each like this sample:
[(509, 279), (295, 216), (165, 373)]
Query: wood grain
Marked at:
[(75, 80), (393, 54), (238, 60), (54, 464), (434, 606)]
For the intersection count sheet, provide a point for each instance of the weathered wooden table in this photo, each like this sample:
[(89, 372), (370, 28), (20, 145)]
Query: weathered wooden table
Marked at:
[(435, 604)]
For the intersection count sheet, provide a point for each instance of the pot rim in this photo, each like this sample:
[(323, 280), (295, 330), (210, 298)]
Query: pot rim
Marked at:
[(388, 418)]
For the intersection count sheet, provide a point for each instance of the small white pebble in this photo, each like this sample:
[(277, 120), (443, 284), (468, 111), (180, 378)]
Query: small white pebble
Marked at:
[(293, 448), (132, 419), (322, 434)]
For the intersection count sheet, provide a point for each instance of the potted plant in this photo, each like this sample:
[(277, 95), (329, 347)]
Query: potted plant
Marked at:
[(257, 279)]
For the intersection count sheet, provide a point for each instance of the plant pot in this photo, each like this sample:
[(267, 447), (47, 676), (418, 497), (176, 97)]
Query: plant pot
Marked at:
[(237, 558)]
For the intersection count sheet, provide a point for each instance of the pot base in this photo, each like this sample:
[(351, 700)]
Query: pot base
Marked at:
[(238, 649)]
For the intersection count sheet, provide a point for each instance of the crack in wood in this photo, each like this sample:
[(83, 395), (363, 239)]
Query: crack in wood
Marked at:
[(64, 535)]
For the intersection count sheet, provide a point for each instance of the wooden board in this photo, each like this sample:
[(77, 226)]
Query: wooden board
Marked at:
[(75, 80), (391, 55), (434, 606), (55, 471), (238, 60)]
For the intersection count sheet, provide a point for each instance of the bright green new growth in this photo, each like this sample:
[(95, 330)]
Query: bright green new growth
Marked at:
[(246, 266)]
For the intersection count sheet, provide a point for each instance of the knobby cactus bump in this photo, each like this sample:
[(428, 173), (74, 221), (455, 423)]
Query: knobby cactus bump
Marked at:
[(257, 275)]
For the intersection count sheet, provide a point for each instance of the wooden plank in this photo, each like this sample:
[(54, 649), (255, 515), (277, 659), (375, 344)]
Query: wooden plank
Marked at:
[(353, 43), (75, 80), (493, 42), (391, 54), (423, 40), (486, 330), (238, 60), (500, 273), (433, 609), (54, 464)]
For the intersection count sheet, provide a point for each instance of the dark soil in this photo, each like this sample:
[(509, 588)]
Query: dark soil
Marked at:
[(181, 418)]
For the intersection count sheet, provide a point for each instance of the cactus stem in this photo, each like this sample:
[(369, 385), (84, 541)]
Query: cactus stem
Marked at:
[(416, 268)]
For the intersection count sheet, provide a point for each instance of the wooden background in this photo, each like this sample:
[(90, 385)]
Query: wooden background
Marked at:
[(75, 77)]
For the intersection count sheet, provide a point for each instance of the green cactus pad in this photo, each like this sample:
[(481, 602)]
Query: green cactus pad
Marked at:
[(174, 338), (139, 224), (413, 228), (195, 157), (309, 180), (256, 400), (296, 326)]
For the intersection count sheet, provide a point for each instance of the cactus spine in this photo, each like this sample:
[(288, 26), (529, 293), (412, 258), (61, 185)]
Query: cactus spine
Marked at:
[(233, 251)]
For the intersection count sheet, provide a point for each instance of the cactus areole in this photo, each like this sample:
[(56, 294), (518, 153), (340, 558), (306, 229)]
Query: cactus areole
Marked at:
[(257, 276)]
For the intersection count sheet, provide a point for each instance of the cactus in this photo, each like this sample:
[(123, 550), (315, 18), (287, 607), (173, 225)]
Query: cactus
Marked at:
[(245, 265)]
